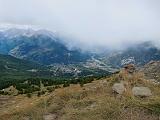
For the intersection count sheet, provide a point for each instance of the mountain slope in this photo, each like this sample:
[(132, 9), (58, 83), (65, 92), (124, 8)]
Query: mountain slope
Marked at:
[(92, 101), (47, 48), (11, 67), (41, 46), (139, 54), (8, 62)]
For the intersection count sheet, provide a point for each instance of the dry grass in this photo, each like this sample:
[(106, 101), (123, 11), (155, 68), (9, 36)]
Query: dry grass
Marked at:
[(94, 101)]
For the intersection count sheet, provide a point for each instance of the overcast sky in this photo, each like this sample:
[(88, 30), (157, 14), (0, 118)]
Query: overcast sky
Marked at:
[(109, 23)]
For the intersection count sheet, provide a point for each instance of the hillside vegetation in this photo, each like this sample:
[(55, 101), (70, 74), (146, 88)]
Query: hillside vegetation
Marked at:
[(91, 101), (8, 62)]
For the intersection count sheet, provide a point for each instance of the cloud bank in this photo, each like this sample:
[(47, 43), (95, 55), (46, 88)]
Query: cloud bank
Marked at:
[(91, 23)]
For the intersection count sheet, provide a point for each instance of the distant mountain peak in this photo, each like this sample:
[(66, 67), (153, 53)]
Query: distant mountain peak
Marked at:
[(4, 27), (39, 45), (13, 30)]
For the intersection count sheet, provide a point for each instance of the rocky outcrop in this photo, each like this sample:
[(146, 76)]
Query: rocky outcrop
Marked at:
[(141, 91), (152, 71), (130, 68), (118, 88)]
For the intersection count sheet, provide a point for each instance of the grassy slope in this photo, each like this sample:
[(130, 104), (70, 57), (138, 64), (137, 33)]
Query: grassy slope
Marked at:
[(18, 64), (12, 67), (94, 101)]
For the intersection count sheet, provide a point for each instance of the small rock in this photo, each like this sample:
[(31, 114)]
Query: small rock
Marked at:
[(50, 116), (118, 88), (141, 91), (26, 118)]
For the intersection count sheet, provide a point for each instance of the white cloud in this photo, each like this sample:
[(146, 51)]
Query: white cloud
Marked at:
[(109, 23)]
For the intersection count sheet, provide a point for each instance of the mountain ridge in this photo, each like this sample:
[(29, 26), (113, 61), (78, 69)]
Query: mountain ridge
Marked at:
[(40, 43), (48, 48)]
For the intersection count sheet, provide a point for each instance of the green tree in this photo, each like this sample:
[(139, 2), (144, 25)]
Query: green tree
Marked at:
[(29, 95)]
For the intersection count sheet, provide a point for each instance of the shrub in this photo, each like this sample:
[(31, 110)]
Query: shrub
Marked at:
[(66, 84), (29, 95), (50, 89)]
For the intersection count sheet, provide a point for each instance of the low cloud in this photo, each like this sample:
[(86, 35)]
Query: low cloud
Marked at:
[(89, 23)]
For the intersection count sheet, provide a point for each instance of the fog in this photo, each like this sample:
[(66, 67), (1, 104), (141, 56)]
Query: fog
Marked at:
[(89, 23)]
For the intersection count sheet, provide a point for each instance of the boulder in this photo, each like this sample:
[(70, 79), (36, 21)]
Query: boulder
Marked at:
[(118, 88), (141, 91)]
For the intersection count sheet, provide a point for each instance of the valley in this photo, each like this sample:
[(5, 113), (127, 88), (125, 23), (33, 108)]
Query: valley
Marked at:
[(79, 59), (41, 78)]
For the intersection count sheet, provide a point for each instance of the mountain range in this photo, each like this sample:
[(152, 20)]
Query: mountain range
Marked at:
[(139, 54), (48, 49), (41, 46)]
